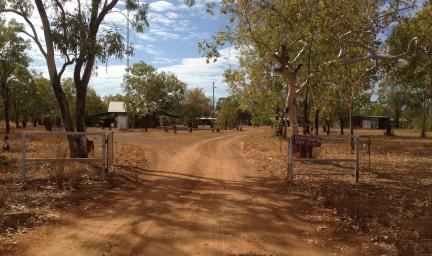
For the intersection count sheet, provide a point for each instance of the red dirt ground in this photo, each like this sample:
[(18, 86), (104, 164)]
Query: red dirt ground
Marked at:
[(213, 194)]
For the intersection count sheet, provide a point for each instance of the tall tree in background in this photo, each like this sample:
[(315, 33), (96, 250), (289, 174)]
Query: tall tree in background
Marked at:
[(147, 90), (21, 89), (13, 60), (196, 105), (416, 71)]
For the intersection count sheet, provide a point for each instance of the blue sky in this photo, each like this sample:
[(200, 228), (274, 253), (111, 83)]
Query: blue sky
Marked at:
[(170, 44)]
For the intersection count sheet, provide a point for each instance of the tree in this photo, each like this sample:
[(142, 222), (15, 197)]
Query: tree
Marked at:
[(278, 31), (76, 34), (283, 33), (257, 90), (147, 90), (117, 97), (42, 99), (196, 105), (94, 103), (21, 93), (13, 60), (393, 99), (230, 114), (416, 71)]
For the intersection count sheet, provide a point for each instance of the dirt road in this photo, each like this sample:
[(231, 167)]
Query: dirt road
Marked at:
[(199, 197)]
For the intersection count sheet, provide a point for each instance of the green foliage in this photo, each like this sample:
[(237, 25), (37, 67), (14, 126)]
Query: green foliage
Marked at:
[(12, 50), (230, 114), (413, 77), (147, 90), (196, 105), (325, 53)]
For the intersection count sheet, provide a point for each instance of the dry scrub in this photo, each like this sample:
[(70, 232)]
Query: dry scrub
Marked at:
[(54, 187), (393, 205)]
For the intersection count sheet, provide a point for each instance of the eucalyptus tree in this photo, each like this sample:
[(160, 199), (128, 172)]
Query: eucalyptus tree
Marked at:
[(279, 31), (195, 106), (393, 99), (21, 93), (416, 71), (81, 38), (257, 90), (13, 60), (147, 90), (287, 33), (77, 35), (42, 101)]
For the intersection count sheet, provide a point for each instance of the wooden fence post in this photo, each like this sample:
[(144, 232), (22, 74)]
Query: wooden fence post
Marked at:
[(357, 159)]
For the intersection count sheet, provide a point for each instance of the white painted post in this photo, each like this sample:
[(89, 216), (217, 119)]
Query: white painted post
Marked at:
[(23, 160), (357, 159)]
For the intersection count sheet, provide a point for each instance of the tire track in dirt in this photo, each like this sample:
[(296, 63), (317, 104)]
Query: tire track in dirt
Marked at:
[(199, 197)]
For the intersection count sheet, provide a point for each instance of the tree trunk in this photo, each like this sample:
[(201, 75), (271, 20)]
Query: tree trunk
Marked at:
[(328, 126), (5, 94), (73, 141), (341, 122), (351, 121), (81, 141), (306, 115), (290, 107), (351, 127), (397, 118), (316, 122), (423, 125), (285, 127), (16, 114)]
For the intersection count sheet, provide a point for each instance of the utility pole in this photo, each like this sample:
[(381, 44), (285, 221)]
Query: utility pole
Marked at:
[(213, 112)]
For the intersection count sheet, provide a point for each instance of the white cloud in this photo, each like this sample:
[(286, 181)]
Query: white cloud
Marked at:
[(161, 6), (197, 73), (108, 81)]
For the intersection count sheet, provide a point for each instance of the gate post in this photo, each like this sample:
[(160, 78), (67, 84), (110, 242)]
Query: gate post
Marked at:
[(357, 159), (290, 174), (23, 160), (104, 155)]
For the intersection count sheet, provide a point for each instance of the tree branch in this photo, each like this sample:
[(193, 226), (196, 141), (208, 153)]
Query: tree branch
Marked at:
[(301, 52), (67, 63), (32, 27)]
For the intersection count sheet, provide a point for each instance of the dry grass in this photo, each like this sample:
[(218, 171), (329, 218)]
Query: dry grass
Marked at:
[(52, 186), (393, 204)]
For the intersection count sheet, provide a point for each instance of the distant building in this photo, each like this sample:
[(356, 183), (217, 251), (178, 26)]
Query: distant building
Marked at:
[(117, 108), (371, 122), (116, 114)]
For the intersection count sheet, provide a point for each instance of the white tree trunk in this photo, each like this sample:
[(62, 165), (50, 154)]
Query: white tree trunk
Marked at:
[(291, 102)]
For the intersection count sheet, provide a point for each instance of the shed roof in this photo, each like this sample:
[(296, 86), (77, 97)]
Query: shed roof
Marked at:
[(116, 107)]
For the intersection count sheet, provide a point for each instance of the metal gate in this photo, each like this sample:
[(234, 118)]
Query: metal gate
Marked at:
[(356, 140), (106, 158)]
